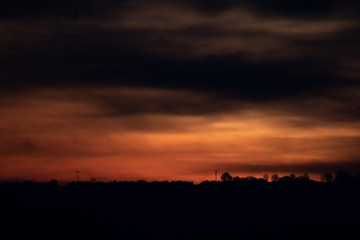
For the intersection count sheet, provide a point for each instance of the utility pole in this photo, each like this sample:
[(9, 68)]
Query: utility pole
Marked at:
[(77, 176)]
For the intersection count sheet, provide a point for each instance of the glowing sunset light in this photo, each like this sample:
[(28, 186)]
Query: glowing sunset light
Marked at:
[(47, 134)]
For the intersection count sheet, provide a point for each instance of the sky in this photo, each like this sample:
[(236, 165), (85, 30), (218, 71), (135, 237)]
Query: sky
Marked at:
[(172, 90)]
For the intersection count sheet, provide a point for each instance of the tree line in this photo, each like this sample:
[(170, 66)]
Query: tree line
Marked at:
[(339, 176)]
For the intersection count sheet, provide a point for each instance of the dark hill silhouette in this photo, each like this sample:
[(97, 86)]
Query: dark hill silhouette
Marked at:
[(236, 208)]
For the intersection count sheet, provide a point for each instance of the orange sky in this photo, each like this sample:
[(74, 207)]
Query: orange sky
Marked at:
[(49, 133)]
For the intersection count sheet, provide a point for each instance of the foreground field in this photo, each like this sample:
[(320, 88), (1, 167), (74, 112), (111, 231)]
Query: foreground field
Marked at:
[(181, 210)]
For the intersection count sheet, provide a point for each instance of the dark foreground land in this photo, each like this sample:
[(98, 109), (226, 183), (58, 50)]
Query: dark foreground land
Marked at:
[(181, 210)]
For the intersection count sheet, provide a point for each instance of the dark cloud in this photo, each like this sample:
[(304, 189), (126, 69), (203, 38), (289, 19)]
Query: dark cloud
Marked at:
[(76, 9), (299, 77), (230, 76), (120, 58), (162, 102), (70, 9), (284, 8)]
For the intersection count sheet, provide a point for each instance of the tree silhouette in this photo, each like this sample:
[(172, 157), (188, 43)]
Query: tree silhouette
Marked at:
[(226, 177), (275, 177)]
